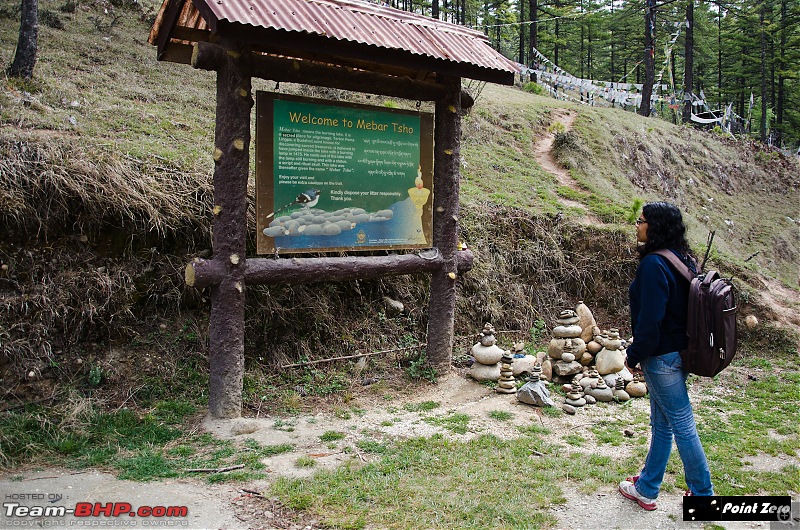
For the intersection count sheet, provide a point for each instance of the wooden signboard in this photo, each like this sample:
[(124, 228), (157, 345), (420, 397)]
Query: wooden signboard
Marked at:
[(334, 176)]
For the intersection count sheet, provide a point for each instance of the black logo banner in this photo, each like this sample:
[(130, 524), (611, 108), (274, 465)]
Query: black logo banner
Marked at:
[(738, 508)]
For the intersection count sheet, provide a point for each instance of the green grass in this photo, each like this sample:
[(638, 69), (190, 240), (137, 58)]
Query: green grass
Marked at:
[(455, 422), (138, 446), (500, 415), (305, 461), (424, 483), (425, 406), (331, 436)]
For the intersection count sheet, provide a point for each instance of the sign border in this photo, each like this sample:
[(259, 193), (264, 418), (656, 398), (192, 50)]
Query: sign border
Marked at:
[(265, 171)]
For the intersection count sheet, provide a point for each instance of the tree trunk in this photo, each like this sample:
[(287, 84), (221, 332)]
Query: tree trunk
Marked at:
[(719, 53), (688, 74), (556, 40), (763, 123), (435, 9), (25, 56), (534, 16), (521, 33), (583, 41), (649, 57), (779, 108), (613, 41)]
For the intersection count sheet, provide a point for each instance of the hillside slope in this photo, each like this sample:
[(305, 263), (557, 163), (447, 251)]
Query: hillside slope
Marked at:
[(105, 195)]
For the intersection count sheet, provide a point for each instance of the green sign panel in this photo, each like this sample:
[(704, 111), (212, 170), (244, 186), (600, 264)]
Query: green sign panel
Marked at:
[(339, 176)]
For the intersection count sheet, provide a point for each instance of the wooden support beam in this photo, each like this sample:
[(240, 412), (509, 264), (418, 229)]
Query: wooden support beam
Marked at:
[(207, 56), (207, 273), (232, 159), (447, 159)]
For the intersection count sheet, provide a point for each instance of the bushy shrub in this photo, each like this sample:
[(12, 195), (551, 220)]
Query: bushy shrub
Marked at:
[(533, 88)]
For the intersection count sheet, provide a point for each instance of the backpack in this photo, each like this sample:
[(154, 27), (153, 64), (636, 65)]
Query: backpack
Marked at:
[(711, 323)]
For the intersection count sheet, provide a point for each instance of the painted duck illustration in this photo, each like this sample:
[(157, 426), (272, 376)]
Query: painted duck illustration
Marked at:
[(308, 199)]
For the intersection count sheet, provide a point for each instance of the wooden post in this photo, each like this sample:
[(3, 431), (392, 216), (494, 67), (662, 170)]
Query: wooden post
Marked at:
[(232, 159), (446, 156)]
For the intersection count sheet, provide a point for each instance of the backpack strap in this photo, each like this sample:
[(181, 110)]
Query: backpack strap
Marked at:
[(676, 263)]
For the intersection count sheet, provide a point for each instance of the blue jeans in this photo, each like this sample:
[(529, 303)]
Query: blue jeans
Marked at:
[(671, 416)]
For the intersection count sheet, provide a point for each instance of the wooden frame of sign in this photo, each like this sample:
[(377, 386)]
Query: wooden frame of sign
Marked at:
[(229, 272)]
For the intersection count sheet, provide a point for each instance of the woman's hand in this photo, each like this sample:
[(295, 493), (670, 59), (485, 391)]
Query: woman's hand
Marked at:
[(632, 370)]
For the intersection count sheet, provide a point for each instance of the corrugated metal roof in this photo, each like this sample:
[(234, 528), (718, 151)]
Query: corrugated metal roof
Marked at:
[(347, 22)]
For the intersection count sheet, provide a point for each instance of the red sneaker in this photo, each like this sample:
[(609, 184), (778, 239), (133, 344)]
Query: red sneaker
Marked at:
[(628, 490)]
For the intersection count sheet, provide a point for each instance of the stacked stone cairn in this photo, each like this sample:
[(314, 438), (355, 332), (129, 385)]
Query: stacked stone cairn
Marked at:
[(588, 326), (534, 391), (619, 390), (637, 387), (583, 381), (564, 348), (506, 384), (487, 355), (523, 363), (589, 362), (574, 399)]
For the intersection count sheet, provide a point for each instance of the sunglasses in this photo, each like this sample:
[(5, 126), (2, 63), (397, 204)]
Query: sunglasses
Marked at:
[(640, 222)]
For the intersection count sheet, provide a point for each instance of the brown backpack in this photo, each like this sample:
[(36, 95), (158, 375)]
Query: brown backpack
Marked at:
[(711, 323)]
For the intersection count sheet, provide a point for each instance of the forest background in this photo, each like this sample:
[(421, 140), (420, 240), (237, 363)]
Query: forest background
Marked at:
[(745, 53)]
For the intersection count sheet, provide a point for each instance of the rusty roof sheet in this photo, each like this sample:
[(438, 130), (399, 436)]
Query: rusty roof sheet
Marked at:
[(349, 22)]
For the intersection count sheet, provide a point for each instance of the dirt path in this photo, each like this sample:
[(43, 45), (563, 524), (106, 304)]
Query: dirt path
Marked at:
[(242, 506), (543, 152)]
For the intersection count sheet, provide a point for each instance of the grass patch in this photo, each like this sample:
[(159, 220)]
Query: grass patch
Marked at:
[(500, 415), (455, 422), (425, 406), (332, 436), (305, 462), (423, 483)]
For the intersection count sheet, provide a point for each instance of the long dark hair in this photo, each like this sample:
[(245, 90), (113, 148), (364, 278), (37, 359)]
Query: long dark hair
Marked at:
[(665, 229)]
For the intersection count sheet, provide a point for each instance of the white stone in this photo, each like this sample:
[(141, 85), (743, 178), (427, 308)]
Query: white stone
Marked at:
[(393, 307), (587, 321), (523, 365), (485, 372), (547, 369), (609, 361), (637, 389), (610, 379), (626, 375), (487, 354), (621, 395), (593, 347), (242, 426), (562, 369), (567, 332), (556, 348), (567, 357)]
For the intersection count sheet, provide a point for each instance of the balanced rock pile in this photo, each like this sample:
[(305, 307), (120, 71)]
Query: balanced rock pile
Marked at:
[(535, 391), (566, 346), (506, 384), (487, 355), (589, 362)]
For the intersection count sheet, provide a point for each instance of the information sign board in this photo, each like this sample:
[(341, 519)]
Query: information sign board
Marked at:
[(333, 176)]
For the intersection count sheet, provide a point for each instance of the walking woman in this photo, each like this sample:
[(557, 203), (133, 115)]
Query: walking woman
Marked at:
[(659, 301)]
